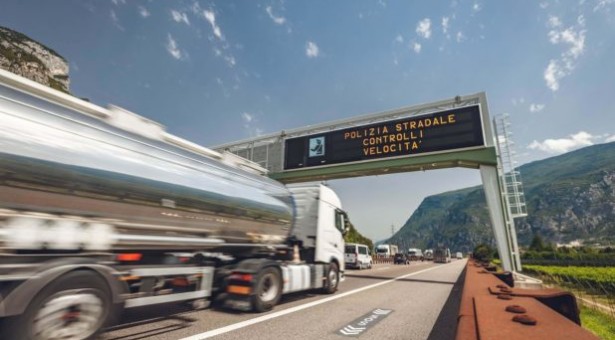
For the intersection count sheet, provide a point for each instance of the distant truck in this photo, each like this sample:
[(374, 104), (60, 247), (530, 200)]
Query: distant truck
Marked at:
[(442, 255), (415, 254), (428, 254), (102, 210), (386, 250), (459, 255)]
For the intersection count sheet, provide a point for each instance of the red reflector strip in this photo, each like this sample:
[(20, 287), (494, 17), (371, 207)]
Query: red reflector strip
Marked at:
[(241, 277), (129, 257)]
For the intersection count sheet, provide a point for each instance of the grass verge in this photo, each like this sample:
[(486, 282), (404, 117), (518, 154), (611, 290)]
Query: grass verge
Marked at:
[(602, 325)]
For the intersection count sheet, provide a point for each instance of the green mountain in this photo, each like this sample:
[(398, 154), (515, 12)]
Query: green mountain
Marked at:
[(354, 236), (569, 197)]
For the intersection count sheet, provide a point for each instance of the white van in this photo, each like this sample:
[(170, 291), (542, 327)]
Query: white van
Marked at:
[(357, 256), (415, 254)]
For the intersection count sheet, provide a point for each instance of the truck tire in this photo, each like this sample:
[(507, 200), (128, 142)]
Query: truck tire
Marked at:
[(267, 289), (332, 279), (74, 306)]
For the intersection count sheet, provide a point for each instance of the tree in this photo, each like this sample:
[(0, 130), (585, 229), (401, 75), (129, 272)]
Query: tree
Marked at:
[(537, 243), (483, 252), (353, 236)]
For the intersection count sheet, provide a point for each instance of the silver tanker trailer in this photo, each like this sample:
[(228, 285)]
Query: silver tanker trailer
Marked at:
[(102, 209)]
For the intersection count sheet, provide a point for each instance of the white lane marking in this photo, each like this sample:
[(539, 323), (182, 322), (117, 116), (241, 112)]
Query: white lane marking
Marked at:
[(274, 315)]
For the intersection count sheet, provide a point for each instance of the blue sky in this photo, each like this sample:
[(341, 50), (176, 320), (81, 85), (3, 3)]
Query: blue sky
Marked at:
[(220, 71)]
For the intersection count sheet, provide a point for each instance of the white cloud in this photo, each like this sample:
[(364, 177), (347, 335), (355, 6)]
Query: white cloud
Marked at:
[(311, 50), (445, 23), (173, 49), (399, 38), (230, 60), (460, 37), (573, 39), (536, 107), (210, 16), (544, 5), (119, 2), (476, 7), (277, 20), (554, 21), (180, 17), (249, 122), (603, 5), (247, 117), (519, 100), (416, 47), (575, 141), (553, 73), (423, 28), (116, 20), (143, 11)]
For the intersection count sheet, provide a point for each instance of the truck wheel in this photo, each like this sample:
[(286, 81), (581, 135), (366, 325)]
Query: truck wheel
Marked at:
[(74, 306), (333, 278), (268, 290)]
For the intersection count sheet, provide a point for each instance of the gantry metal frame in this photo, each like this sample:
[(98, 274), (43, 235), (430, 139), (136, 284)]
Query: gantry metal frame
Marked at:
[(268, 151)]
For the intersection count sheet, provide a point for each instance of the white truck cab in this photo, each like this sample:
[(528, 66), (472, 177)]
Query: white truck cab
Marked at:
[(319, 224)]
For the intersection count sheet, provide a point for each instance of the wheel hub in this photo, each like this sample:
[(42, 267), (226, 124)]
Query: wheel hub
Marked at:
[(68, 315)]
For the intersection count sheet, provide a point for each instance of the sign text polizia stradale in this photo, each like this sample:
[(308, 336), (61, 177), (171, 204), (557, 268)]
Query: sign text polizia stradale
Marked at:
[(440, 131), (406, 136)]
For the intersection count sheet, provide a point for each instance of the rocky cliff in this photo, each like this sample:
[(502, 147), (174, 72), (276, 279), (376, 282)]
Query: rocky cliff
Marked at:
[(30, 59), (569, 197)]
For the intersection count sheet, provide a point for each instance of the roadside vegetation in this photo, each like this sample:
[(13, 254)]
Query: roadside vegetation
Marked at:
[(601, 324), (588, 272), (484, 253), (541, 253), (353, 236)]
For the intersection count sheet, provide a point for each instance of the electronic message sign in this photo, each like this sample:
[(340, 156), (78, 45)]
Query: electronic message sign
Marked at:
[(440, 131)]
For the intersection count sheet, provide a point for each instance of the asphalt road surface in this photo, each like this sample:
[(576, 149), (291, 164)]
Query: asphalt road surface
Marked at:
[(417, 301)]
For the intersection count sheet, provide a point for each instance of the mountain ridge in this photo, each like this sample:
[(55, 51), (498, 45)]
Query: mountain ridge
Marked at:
[(569, 197), (28, 58)]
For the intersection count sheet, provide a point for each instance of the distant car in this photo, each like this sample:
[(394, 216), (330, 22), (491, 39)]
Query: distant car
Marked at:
[(415, 254), (357, 256), (401, 258), (458, 255)]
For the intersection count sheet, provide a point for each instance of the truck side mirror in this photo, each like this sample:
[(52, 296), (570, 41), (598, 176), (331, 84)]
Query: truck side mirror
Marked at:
[(346, 225)]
